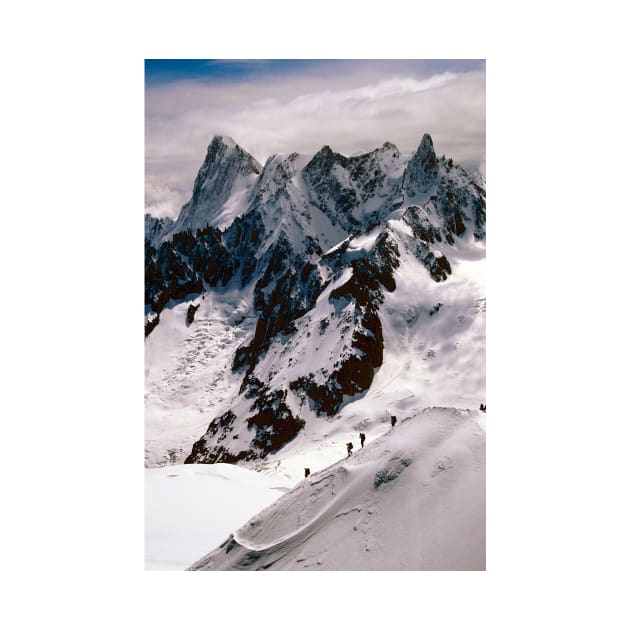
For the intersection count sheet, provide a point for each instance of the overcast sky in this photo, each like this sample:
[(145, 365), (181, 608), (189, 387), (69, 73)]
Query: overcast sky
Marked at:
[(281, 106)]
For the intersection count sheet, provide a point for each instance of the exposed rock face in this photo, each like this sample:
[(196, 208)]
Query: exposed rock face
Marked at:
[(226, 168), (218, 428), (444, 194), (190, 314), (356, 191), (270, 419), (363, 354), (422, 170), (155, 229), (281, 296), (150, 324), (314, 240), (179, 267)]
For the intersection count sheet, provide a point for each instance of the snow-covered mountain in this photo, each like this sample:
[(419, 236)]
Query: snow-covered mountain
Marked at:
[(221, 188), (290, 307), (314, 250)]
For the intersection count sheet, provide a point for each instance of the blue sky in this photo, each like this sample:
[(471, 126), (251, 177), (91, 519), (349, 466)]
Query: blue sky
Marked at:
[(161, 71), (281, 106)]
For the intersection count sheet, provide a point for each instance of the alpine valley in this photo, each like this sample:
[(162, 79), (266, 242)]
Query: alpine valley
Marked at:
[(291, 306)]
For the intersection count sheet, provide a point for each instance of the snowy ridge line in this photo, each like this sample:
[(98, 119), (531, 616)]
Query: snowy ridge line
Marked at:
[(413, 499), (308, 527), (281, 546), (299, 536)]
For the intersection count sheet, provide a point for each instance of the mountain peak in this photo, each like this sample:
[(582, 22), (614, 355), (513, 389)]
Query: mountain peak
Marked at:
[(226, 170), (219, 140), (422, 169), (328, 153), (388, 149), (325, 153), (426, 152), (224, 158), (322, 163)]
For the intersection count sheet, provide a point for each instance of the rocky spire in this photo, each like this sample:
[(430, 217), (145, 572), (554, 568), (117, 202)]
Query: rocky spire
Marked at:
[(422, 168), (225, 166), (223, 155)]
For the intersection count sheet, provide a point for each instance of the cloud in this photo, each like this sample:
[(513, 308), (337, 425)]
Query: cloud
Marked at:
[(355, 106), (162, 199)]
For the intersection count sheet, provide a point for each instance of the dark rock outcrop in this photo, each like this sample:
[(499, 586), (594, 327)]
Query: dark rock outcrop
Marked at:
[(422, 170), (271, 420), (341, 186), (155, 229), (179, 268), (286, 290), (190, 314), (150, 325), (358, 360)]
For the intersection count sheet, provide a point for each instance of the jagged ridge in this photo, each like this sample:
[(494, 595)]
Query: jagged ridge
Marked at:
[(282, 225)]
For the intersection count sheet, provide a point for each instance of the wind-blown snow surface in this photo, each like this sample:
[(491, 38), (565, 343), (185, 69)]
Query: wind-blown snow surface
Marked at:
[(412, 499), (190, 509)]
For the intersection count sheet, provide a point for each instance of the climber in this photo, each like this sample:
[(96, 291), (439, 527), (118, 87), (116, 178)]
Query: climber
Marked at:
[(362, 438), (482, 407), (307, 472), (393, 420), (349, 447)]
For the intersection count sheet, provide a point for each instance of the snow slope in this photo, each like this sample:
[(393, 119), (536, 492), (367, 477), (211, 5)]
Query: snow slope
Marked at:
[(435, 346), (187, 371), (413, 499), (189, 509)]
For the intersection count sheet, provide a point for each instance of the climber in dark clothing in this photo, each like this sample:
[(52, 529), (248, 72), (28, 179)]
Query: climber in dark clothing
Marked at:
[(349, 447), (307, 472), (393, 420), (482, 407), (362, 438)]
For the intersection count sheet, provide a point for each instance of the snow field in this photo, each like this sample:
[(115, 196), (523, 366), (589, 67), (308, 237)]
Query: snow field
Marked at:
[(192, 508)]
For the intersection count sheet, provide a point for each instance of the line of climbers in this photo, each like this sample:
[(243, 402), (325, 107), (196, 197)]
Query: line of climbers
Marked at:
[(393, 420), (350, 446)]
